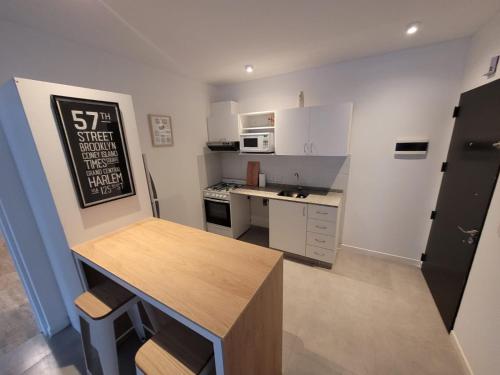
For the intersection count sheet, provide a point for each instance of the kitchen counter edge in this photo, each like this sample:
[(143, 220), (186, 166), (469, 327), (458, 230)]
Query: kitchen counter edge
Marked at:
[(329, 198)]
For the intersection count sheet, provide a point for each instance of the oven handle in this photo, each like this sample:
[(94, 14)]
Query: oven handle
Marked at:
[(216, 200)]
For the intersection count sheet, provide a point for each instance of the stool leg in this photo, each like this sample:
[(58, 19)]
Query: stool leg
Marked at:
[(135, 317), (151, 316), (103, 339)]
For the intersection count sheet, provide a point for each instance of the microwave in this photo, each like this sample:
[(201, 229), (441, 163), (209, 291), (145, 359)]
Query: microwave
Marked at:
[(257, 142)]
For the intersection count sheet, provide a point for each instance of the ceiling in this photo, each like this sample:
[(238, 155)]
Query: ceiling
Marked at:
[(212, 40)]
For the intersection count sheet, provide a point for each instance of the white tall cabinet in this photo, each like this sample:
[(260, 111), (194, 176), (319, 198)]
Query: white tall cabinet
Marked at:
[(316, 131), (287, 226)]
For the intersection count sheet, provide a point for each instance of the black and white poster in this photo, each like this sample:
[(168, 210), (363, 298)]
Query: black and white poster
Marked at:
[(96, 150)]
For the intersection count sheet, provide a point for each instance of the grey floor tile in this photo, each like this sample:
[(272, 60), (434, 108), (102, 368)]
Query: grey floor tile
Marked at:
[(17, 324)]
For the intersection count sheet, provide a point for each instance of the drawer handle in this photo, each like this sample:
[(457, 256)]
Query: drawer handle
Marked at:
[(320, 241), (320, 227), (316, 253), (321, 213)]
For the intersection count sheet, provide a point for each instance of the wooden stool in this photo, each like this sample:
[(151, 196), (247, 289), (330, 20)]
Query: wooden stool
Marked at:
[(175, 350), (98, 309)]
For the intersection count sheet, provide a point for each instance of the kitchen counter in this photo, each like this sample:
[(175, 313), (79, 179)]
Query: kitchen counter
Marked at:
[(316, 196), (228, 291)]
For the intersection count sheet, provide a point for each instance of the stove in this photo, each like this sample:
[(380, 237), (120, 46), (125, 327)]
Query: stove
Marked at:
[(220, 191), (225, 214)]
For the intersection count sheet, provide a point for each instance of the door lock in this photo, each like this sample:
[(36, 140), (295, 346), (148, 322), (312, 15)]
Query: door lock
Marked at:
[(472, 233)]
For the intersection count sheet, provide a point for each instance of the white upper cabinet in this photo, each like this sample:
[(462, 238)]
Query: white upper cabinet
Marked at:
[(318, 131), (292, 131), (329, 131), (223, 128), (223, 122)]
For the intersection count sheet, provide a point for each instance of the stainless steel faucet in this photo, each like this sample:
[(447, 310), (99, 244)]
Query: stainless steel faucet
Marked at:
[(296, 174)]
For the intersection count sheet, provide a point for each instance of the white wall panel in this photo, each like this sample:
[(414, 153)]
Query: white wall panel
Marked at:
[(409, 93)]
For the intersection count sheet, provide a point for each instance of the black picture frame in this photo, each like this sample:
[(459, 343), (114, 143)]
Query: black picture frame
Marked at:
[(96, 149)]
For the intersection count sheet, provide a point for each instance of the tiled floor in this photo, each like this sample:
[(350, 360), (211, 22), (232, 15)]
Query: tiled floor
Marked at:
[(17, 324), (366, 316)]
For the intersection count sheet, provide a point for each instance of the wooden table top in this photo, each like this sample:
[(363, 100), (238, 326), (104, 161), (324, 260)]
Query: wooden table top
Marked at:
[(207, 278)]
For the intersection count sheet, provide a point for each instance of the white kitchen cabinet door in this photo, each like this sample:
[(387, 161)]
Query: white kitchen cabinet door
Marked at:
[(223, 127), (292, 131), (330, 129), (287, 226)]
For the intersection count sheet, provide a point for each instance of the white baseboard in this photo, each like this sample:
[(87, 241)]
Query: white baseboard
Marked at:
[(460, 351), (386, 256)]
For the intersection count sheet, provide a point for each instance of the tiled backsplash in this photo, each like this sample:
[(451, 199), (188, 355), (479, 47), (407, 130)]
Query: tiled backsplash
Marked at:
[(317, 171)]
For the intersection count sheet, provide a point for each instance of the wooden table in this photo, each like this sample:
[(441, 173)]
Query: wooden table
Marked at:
[(228, 291)]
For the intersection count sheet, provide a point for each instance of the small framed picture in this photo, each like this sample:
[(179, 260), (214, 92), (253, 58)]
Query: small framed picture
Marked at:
[(161, 130)]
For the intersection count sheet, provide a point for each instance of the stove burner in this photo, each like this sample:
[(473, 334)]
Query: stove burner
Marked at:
[(223, 186)]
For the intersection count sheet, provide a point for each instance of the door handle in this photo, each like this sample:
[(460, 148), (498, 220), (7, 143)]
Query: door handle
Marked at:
[(496, 145), (470, 232)]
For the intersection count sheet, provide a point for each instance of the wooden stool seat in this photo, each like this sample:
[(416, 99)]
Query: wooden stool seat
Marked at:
[(98, 309), (103, 299), (175, 350)]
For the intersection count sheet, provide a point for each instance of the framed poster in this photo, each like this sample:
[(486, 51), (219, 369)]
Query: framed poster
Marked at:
[(161, 130), (96, 150)]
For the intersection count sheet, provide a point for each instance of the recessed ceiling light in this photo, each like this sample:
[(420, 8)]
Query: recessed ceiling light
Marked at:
[(249, 68), (413, 28)]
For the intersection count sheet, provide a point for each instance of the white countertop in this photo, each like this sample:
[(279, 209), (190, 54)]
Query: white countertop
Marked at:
[(324, 198)]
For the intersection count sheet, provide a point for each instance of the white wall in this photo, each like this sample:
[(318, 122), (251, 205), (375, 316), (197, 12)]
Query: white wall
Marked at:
[(32, 54), (21, 233), (477, 327), (179, 171), (484, 45), (326, 172), (401, 94)]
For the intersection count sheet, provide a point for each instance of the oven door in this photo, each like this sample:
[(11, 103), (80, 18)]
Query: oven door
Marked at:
[(218, 212)]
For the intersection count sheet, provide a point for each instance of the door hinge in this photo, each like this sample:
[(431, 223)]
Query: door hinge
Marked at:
[(456, 111), (423, 257), (433, 215), (444, 166)]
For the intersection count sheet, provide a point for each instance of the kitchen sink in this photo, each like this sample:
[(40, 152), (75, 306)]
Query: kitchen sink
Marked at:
[(293, 193)]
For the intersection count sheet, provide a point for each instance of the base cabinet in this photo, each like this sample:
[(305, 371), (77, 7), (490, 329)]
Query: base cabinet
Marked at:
[(305, 229), (287, 226)]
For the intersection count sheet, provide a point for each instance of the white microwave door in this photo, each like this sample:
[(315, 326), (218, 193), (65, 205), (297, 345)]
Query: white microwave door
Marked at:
[(250, 143)]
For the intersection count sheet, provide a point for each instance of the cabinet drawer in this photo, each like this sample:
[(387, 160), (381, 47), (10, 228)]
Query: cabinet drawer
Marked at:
[(322, 227), (326, 213), (320, 240), (318, 253)]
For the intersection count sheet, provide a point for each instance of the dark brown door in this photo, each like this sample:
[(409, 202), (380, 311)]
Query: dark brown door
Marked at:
[(467, 186)]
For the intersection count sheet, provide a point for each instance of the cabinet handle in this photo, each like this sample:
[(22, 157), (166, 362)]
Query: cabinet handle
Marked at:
[(304, 211), (305, 151), (316, 253), (320, 241), (321, 213), (319, 227), (311, 148)]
